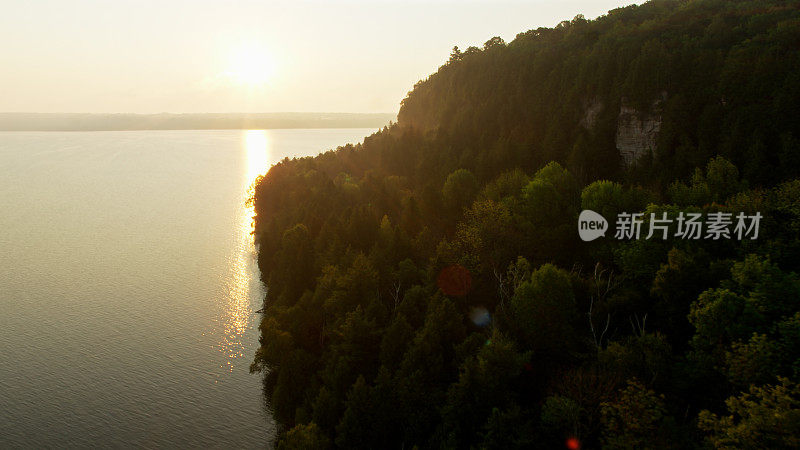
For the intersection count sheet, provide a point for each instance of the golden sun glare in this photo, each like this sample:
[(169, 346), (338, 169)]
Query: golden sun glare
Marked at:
[(250, 65)]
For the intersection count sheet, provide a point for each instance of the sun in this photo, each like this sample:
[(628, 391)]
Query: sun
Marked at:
[(250, 65)]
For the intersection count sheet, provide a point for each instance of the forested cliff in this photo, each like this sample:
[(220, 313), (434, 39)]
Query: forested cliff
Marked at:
[(428, 287)]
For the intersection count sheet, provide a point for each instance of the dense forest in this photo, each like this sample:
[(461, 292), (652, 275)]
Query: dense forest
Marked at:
[(428, 288)]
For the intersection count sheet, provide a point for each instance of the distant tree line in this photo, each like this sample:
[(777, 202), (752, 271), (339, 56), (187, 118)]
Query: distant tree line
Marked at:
[(187, 121)]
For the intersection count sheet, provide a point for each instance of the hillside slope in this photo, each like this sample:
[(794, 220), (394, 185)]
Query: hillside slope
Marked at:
[(718, 78), (428, 287)]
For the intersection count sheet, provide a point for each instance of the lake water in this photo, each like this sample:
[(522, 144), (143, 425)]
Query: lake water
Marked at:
[(128, 286)]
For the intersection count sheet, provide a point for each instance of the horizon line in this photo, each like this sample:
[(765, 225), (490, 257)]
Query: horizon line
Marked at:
[(206, 112)]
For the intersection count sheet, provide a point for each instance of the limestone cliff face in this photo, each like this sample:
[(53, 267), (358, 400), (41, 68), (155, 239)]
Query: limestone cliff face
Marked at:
[(636, 133), (592, 108)]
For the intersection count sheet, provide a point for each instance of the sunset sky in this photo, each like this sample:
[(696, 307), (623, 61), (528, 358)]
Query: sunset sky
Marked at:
[(243, 56)]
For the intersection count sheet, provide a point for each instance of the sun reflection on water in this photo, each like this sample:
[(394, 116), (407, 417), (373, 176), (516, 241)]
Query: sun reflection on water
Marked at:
[(257, 146), (244, 286)]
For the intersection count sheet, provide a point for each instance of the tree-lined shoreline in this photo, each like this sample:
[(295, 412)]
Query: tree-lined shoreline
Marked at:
[(428, 288)]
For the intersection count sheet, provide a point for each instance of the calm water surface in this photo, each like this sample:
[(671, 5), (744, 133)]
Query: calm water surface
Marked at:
[(128, 286)]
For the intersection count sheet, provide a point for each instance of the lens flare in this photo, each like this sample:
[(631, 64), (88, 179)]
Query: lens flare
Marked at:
[(573, 443), (455, 280)]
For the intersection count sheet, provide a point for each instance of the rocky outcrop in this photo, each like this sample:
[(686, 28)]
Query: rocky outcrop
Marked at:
[(592, 109), (637, 131)]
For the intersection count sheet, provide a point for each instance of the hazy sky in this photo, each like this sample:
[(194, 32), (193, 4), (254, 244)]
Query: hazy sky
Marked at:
[(244, 56)]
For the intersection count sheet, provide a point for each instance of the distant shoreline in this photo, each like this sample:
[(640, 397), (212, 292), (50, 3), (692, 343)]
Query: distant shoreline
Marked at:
[(190, 121)]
